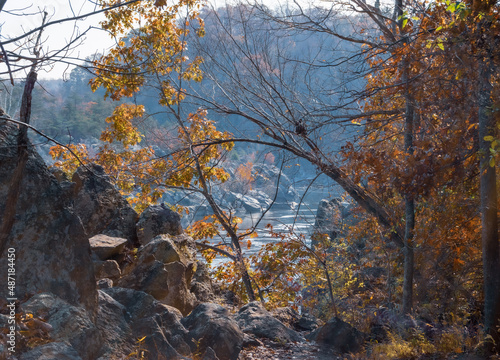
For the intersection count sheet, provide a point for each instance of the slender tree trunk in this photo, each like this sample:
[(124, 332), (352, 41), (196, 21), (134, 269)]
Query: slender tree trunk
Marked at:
[(488, 196), (409, 202), (408, 255), (224, 221), (245, 276)]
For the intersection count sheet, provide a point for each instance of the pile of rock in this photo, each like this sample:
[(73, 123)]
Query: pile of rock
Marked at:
[(104, 283)]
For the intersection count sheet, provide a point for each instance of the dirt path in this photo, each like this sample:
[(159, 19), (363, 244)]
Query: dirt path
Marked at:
[(271, 350)]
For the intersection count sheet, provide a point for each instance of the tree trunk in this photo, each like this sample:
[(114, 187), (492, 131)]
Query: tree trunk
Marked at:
[(488, 196), (408, 256), (408, 251), (224, 221)]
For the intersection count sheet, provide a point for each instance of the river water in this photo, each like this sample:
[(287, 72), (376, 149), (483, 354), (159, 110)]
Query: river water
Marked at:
[(284, 218)]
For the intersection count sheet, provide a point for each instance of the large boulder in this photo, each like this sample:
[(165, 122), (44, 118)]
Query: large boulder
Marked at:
[(249, 203), (167, 249), (211, 328), (46, 245), (164, 269), (156, 220), (253, 318), (70, 324), (100, 206), (127, 315), (338, 335), (331, 216)]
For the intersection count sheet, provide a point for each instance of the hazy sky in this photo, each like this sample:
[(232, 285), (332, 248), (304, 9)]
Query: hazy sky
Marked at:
[(57, 36), (20, 16)]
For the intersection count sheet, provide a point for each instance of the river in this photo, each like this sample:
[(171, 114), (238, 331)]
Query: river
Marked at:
[(284, 218)]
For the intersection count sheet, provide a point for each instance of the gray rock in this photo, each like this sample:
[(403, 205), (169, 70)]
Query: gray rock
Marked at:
[(117, 337), (156, 220), (253, 318), (266, 176), (288, 316), (165, 282), (100, 206), (164, 269), (308, 322), (69, 323), (104, 284), (296, 321), (167, 249), (51, 351), (210, 326), (331, 216), (59, 174), (265, 180), (178, 283), (107, 269), (143, 316), (106, 246), (52, 253), (201, 284), (338, 335), (247, 202), (264, 200)]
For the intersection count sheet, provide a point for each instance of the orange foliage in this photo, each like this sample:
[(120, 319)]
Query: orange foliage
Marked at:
[(440, 62), (244, 173)]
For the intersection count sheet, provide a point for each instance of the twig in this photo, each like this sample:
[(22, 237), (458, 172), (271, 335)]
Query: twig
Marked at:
[(7, 63)]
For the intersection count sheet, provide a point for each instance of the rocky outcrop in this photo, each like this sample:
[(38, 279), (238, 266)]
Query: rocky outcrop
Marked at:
[(331, 217), (338, 335), (164, 269), (50, 252), (126, 315), (264, 200), (211, 328), (253, 318), (100, 206), (265, 180), (249, 203), (156, 220)]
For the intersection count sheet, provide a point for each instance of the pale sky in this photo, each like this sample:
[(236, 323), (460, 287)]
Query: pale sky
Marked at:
[(57, 36), (21, 16)]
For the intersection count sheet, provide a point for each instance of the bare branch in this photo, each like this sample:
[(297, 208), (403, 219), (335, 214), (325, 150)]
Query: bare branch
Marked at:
[(60, 21)]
